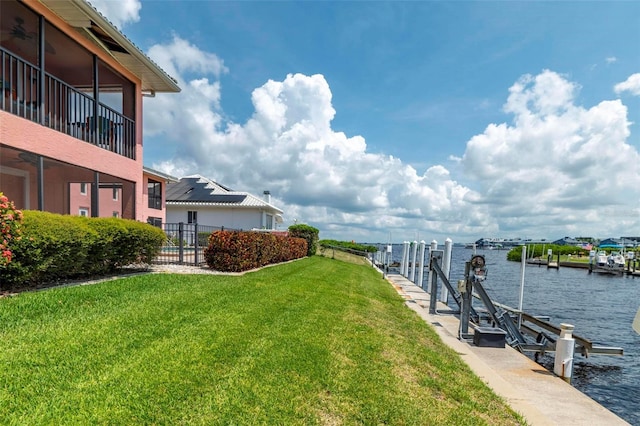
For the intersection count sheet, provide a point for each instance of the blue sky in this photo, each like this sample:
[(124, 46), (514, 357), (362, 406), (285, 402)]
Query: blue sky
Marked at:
[(429, 119)]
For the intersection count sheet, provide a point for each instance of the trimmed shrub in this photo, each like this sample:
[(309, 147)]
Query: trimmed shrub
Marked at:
[(307, 232), (237, 251), (55, 247), (123, 242)]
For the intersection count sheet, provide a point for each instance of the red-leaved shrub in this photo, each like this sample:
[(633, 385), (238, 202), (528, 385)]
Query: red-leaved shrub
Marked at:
[(237, 251)]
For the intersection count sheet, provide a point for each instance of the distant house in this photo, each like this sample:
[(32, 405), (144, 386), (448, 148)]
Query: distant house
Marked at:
[(610, 242), (196, 199), (620, 242), (631, 241), (567, 241)]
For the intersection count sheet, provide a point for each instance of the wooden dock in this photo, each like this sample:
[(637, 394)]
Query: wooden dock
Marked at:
[(629, 270)]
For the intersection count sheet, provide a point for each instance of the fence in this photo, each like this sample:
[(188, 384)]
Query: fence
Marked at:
[(185, 243)]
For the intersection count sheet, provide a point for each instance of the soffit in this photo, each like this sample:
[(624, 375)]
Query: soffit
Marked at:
[(82, 15)]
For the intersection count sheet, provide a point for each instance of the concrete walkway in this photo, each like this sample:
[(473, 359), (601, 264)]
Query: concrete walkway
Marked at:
[(537, 394)]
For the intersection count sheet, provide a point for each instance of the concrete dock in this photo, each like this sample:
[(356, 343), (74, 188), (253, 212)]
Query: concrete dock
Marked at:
[(536, 393)]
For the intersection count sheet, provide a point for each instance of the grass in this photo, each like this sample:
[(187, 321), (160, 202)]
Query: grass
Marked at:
[(317, 341), (575, 259), (342, 255)]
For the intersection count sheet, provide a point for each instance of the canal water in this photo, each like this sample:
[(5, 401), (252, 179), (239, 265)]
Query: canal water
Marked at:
[(601, 308)]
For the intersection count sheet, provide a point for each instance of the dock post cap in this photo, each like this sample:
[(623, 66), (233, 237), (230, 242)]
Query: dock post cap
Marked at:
[(566, 331)]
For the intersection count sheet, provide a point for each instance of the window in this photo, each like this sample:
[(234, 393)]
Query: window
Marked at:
[(116, 214), (83, 211), (155, 221), (154, 190), (83, 188), (269, 224), (115, 194), (192, 217)]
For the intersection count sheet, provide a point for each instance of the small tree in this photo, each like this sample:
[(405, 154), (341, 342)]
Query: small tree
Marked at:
[(307, 232)]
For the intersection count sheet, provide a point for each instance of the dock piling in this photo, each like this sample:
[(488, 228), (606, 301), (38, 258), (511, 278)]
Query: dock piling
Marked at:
[(563, 362)]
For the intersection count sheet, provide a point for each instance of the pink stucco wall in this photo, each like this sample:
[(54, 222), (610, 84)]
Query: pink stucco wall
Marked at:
[(26, 135), (107, 204), (149, 212)]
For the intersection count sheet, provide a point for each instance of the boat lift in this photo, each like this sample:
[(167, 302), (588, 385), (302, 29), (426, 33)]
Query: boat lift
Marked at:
[(541, 334)]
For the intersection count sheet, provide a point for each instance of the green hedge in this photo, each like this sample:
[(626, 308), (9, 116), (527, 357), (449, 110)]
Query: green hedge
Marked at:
[(237, 251), (348, 245), (540, 250), (55, 247), (307, 232)]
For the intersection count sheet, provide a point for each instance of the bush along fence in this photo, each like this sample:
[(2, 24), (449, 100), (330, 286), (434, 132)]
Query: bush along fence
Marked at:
[(237, 251), (309, 233)]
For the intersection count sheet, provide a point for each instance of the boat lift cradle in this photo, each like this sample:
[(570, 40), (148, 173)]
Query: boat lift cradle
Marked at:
[(501, 315)]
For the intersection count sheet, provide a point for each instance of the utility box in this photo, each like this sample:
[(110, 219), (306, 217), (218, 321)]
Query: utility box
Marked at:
[(489, 337)]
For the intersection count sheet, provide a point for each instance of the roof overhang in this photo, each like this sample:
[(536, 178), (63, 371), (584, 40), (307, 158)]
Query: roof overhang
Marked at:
[(95, 27), (159, 175), (268, 208)]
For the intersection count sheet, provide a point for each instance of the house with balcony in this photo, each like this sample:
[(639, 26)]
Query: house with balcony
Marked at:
[(196, 199), (71, 95)]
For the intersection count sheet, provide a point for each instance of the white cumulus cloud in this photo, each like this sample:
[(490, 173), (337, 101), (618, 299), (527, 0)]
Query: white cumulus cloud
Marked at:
[(318, 175), (559, 165), (119, 12), (556, 169), (631, 85)]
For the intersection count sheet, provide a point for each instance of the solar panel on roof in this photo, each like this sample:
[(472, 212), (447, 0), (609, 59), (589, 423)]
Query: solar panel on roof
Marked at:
[(189, 189)]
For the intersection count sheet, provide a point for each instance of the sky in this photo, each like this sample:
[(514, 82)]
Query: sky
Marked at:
[(391, 121)]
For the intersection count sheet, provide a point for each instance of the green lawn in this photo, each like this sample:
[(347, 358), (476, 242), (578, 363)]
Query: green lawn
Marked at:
[(317, 341)]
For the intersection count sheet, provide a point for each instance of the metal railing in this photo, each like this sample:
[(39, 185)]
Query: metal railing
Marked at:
[(62, 107), (185, 243)]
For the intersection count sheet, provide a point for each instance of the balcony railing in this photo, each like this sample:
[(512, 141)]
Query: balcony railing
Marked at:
[(62, 107)]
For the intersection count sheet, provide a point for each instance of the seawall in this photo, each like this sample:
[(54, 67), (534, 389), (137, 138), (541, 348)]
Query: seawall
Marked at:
[(536, 393)]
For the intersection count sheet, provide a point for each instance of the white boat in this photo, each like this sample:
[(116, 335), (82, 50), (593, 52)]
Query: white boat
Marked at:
[(604, 263)]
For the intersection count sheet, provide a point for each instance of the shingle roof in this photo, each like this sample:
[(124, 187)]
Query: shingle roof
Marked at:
[(198, 190)]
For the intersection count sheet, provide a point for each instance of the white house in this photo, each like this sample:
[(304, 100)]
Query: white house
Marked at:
[(196, 199)]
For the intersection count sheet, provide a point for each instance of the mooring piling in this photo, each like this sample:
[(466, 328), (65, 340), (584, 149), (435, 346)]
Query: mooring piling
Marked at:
[(446, 268), (423, 245), (414, 253), (563, 362), (405, 257)]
